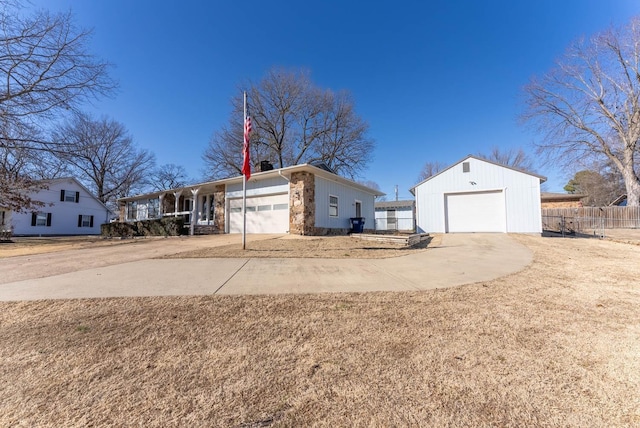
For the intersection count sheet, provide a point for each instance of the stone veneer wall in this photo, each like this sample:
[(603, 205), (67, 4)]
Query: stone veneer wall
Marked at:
[(219, 207), (302, 203)]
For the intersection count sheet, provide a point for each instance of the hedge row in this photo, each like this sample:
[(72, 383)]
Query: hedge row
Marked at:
[(167, 226)]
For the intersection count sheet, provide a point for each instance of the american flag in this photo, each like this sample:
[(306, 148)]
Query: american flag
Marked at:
[(246, 164)]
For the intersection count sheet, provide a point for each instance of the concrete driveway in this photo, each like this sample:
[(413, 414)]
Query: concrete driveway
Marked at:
[(458, 259)]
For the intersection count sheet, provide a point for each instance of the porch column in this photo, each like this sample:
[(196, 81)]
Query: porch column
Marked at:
[(177, 195), (194, 210), (161, 207)]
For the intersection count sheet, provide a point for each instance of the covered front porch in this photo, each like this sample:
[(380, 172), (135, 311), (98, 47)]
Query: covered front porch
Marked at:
[(202, 208)]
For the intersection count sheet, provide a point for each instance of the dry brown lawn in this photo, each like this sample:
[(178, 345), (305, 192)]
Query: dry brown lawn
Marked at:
[(326, 247), (557, 344)]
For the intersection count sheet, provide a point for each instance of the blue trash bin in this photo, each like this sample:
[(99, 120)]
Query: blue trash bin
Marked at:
[(357, 224)]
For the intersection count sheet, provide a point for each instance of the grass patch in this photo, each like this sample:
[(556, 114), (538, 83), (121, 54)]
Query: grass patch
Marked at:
[(554, 345)]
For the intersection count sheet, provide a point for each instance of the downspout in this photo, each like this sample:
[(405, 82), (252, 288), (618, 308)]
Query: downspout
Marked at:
[(283, 176)]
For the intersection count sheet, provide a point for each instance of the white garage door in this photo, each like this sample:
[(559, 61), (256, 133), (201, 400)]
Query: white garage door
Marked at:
[(475, 212), (265, 214)]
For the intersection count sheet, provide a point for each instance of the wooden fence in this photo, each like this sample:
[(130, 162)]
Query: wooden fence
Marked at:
[(590, 218)]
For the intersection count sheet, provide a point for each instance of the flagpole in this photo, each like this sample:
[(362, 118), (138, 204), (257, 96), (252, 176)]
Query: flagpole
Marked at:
[(244, 182)]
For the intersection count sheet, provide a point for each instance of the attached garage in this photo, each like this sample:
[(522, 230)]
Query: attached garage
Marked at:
[(475, 212), (477, 195), (265, 214)]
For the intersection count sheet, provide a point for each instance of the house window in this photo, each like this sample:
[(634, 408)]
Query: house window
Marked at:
[(211, 206), (3, 218), (85, 220), (358, 209), (333, 206), (132, 210), (153, 208), (466, 167), (40, 219), (69, 196)]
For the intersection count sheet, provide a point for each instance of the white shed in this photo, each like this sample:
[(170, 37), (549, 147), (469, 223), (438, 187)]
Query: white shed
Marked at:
[(477, 195), (395, 216)]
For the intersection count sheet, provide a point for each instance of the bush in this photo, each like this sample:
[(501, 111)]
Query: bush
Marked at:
[(166, 226)]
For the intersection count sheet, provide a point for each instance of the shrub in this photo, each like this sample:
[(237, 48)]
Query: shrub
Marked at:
[(166, 226)]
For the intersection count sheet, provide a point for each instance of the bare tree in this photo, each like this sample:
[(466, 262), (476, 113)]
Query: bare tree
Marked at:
[(168, 176), (293, 122), (373, 185), (600, 185), (45, 72), (430, 169), (515, 158), (104, 155), (588, 106), (16, 184)]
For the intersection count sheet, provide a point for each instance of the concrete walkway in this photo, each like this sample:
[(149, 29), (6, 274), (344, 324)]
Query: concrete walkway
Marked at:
[(458, 259)]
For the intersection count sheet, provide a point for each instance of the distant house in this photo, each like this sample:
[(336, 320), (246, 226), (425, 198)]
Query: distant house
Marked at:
[(561, 200), (70, 209), (620, 201), (396, 216), (302, 200), (477, 195)]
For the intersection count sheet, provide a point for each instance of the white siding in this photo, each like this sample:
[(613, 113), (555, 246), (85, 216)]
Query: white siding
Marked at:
[(347, 196), (64, 215), (268, 186), (522, 195)]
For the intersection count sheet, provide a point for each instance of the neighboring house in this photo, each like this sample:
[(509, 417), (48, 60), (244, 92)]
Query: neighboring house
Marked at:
[(561, 200), (301, 200), (620, 201), (477, 195), (396, 216), (69, 209)]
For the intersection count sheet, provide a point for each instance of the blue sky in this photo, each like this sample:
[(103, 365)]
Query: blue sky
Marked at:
[(436, 80)]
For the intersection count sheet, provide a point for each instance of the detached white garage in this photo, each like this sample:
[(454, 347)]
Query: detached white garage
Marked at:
[(476, 195)]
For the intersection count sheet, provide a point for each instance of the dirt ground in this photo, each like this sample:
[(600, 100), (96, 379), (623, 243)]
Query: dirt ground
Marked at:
[(556, 344)]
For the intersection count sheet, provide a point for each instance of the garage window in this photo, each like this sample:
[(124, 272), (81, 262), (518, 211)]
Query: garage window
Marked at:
[(333, 206), (280, 206)]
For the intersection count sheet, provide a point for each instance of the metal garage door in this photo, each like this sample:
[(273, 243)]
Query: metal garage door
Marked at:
[(265, 214), (475, 212)]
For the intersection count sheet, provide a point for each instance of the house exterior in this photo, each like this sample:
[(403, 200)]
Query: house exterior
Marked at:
[(69, 209), (395, 216), (302, 200), (561, 200), (477, 195)]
